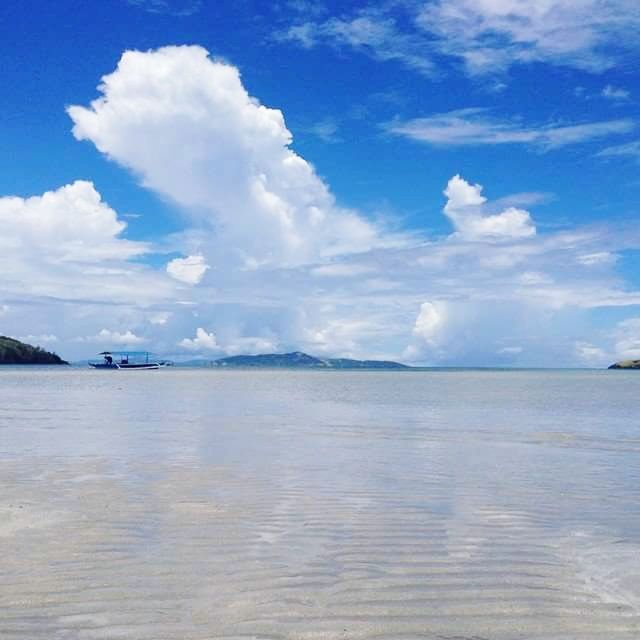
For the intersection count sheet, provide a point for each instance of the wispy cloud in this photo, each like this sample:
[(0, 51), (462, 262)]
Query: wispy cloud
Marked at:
[(326, 130), (466, 127), (631, 149), (615, 93), (369, 31), (169, 7), (490, 36), (487, 37)]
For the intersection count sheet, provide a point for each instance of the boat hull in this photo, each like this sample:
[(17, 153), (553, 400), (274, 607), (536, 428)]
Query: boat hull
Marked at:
[(125, 367)]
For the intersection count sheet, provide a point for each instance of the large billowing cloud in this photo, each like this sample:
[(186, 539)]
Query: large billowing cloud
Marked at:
[(185, 124)]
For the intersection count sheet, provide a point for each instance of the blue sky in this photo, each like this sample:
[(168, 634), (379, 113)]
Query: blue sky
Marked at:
[(259, 179)]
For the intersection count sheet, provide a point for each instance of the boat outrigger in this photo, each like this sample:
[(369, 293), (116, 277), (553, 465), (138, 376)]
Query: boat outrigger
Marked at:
[(125, 360)]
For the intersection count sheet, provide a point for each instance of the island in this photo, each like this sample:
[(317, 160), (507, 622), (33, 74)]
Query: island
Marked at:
[(626, 364), (13, 351), (299, 360)]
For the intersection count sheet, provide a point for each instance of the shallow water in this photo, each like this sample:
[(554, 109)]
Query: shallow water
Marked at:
[(194, 504)]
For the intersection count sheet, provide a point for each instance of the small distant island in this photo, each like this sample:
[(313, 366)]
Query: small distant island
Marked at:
[(626, 364), (299, 360), (13, 351)]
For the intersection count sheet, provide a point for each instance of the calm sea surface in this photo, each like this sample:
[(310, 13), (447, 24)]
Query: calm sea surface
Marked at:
[(198, 504)]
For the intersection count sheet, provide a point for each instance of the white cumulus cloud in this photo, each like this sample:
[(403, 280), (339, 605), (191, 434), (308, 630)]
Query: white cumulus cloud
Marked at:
[(464, 209), (429, 322), (189, 270), (71, 224), (68, 244), (185, 124), (203, 341)]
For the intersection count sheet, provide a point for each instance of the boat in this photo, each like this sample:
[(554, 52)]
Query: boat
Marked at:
[(128, 360)]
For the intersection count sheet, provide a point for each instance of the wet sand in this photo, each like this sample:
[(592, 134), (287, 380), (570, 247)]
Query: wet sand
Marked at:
[(204, 504)]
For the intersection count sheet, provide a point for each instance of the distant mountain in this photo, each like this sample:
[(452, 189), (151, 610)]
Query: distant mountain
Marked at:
[(626, 364), (15, 352), (299, 360)]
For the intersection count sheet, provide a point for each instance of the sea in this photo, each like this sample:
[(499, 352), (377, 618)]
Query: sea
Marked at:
[(192, 504)]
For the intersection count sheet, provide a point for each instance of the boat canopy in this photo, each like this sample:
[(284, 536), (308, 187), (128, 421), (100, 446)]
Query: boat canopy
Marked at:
[(127, 356), (125, 353)]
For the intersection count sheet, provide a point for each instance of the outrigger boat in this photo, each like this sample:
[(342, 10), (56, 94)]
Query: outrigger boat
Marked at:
[(125, 360)]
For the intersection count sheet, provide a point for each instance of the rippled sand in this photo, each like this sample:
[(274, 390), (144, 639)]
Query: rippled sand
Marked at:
[(204, 504)]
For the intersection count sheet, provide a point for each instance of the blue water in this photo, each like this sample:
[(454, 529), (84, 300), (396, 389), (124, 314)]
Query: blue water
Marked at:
[(186, 503)]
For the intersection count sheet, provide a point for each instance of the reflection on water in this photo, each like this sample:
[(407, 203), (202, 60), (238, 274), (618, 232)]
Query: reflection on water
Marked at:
[(183, 504)]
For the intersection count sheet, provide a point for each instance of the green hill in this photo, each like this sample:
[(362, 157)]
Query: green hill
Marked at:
[(15, 352), (299, 360)]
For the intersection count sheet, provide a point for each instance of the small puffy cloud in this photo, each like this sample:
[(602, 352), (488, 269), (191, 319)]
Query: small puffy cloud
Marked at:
[(108, 337), (189, 270), (473, 127), (115, 337), (185, 124), (427, 332), (464, 209), (159, 317), (202, 342), (429, 322)]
